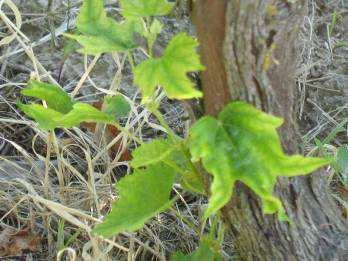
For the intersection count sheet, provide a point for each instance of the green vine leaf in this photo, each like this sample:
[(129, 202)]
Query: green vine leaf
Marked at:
[(169, 71), (166, 152), (45, 117), (243, 145), (143, 195), (103, 34), (152, 152), (62, 111), (55, 97), (83, 112), (49, 119), (145, 8), (153, 31), (191, 180), (116, 106)]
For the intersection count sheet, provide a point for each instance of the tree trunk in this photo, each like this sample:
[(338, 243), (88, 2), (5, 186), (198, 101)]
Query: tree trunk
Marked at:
[(248, 47)]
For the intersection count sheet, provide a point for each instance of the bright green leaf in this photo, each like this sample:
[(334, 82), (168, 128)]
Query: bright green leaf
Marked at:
[(191, 179), (83, 112), (145, 8), (165, 151), (45, 117), (152, 152), (152, 33), (101, 33), (170, 71), (243, 145), (55, 97), (116, 106), (49, 119), (192, 182), (155, 28), (143, 195)]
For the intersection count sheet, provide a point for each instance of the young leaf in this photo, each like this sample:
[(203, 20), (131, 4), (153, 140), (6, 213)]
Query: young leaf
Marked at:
[(83, 112), (152, 33), (243, 145), (45, 117), (56, 98), (101, 33), (143, 195), (145, 8), (116, 106), (169, 71)]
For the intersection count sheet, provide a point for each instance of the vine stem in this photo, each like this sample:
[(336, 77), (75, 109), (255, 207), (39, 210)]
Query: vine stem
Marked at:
[(188, 222), (164, 124)]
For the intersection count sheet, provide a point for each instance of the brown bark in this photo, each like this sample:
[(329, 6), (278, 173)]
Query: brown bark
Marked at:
[(248, 47)]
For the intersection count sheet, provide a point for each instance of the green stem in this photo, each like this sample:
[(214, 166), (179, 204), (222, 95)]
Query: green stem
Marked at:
[(188, 222), (131, 60), (193, 167), (149, 40), (119, 127), (164, 124)]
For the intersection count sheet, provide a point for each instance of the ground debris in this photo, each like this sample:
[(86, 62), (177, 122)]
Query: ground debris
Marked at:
[(17, 243)]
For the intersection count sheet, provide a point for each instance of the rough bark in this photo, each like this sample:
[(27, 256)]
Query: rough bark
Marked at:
[(248, 47)]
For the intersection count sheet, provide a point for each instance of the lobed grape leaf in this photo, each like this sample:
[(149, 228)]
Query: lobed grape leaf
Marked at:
[(169, 71), (103, 34), (242, 144), (116, 106), (145, 8), (83, 112), (143, 195), (45, 117), (55, 97), (49, 119), (62, 111)]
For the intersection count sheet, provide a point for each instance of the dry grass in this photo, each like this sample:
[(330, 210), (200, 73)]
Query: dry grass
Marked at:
[(323, 85), (62, 194)]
